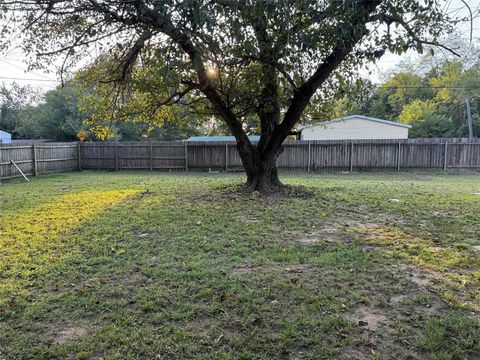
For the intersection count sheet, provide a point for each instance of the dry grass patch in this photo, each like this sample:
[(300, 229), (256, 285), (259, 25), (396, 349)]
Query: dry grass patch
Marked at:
[(68, 333)]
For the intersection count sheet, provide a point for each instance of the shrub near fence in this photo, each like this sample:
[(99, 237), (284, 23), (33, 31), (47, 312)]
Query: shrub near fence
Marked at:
[(310, 156)]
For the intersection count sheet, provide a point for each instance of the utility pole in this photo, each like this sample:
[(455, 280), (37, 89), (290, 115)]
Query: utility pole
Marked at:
[(469, 119)]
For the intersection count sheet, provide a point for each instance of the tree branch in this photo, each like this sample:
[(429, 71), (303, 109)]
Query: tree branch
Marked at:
[(164, 24), (389, 19), (132, 55), (286, 75), (343, 46)]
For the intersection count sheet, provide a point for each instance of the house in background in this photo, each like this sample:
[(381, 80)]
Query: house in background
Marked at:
[(355, 127), (5, 138), (252, 138)]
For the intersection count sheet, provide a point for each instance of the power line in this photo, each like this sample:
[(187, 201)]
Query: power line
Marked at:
[(26, 79), (19, 67)]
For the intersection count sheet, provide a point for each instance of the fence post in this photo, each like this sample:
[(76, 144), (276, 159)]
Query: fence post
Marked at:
[(399, 155), (351, 157), (151, 157), (226, 157), (309, 161), (186, 156), (79, 156), (34, 156), (116, 156), (445, 159)]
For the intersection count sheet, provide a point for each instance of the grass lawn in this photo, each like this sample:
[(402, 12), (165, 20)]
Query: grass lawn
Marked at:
[(175, 266)]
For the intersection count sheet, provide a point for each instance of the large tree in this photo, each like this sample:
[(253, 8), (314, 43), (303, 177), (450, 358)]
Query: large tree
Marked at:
[(262, 58)]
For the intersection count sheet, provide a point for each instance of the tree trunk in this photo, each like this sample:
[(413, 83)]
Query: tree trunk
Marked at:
[(262, 173)]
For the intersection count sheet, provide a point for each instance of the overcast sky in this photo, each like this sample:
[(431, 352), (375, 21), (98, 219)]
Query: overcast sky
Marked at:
[(13, 67)]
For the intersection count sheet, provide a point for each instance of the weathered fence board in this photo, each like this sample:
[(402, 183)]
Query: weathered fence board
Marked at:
[(312, 156), (37, 159)]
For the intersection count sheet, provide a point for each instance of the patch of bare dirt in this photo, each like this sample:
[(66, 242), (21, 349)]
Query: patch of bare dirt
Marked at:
[(369, 318), (328, 233), (310, 239), (361, 224), (69, 332), (354, 353), (421, 279), (330, 230), (476, 248), (397, 299), (422, 283)]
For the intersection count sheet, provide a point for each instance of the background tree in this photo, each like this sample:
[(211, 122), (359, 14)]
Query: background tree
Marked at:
[(236, 59), (59, 116), (62, 113), (15, 101), (429, 93)]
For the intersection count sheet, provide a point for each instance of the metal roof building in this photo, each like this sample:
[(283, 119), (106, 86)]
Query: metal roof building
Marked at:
[(219, 138)]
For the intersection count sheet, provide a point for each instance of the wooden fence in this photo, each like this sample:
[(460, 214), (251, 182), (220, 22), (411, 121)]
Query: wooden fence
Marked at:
[(38, 159), (310, 156)]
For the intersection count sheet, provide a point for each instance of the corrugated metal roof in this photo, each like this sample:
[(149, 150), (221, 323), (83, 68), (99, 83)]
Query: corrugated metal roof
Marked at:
[(220, 138), (4, 133), (351, 117)]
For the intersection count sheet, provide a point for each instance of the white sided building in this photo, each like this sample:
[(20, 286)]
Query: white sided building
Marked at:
[(355, 127)]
